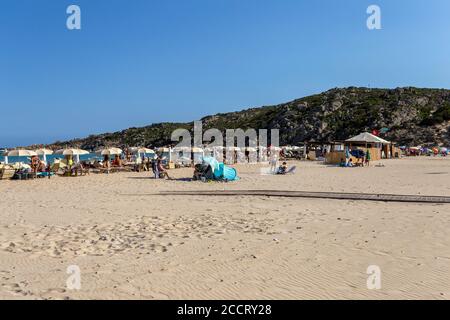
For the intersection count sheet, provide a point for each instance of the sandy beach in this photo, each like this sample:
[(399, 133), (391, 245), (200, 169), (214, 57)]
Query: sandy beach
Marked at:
[(131, 243)]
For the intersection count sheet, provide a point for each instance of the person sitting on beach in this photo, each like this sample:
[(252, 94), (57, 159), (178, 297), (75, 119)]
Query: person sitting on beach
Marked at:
[(117, 162), (162, 171), (283, 168), (34, 163), (343, 163), (41, 167), (106, 164), (350, 163)]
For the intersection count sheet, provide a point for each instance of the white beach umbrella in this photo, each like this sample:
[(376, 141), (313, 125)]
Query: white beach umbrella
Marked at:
[(44, 153), (21, 153), (110, 152), (145, 150), (167, 151), (72, 152), (197, 150), (141, 150)]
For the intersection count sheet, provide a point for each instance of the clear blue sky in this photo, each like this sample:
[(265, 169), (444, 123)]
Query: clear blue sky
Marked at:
[(138, 62)]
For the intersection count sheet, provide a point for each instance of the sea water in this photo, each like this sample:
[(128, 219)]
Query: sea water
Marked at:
[(50, 158)]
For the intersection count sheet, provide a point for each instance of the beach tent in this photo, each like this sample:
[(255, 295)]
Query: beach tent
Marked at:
[(211, 162), (72, 152)]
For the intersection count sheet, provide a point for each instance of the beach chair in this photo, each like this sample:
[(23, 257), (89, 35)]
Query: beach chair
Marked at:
[(7, 173)]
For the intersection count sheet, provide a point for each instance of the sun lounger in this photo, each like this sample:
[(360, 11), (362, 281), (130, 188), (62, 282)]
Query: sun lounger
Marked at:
[(112, 169), (6, 173)]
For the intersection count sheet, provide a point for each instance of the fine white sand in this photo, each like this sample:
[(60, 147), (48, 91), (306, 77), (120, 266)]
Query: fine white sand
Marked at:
[(132, 244)]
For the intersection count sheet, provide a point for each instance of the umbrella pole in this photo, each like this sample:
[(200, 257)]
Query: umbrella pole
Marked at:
[(6, 159)]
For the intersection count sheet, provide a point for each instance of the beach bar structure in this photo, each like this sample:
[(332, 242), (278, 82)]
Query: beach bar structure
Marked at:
[(318, 150), (378, 148)]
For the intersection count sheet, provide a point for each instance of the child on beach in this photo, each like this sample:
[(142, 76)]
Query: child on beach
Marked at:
[(283, 168)]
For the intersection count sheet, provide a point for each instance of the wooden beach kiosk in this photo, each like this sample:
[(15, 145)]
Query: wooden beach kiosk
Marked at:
[(378, 148)]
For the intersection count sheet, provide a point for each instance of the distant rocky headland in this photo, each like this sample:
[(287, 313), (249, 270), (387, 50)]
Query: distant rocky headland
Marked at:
[(408, 116)]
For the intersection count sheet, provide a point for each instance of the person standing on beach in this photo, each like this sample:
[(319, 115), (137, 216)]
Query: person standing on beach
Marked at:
[(155, 168), (368, 157), (273, 161)]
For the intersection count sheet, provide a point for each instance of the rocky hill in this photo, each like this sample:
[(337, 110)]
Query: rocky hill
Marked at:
[(409, 116)]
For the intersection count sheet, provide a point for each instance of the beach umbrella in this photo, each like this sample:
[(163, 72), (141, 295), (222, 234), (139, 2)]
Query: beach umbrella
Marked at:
[(110, 152), (197, 150), (5, 154), (44, 153), (72, 152), (145, 150), (165, 152), (21, 153)]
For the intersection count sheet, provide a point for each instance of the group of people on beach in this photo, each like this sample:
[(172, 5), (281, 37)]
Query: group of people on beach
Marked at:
[(274, 168), (363, 159)]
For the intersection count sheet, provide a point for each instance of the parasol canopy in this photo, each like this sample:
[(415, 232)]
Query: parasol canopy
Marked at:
[(21, 153), (44, 152), (111, 151), (366, 137)]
